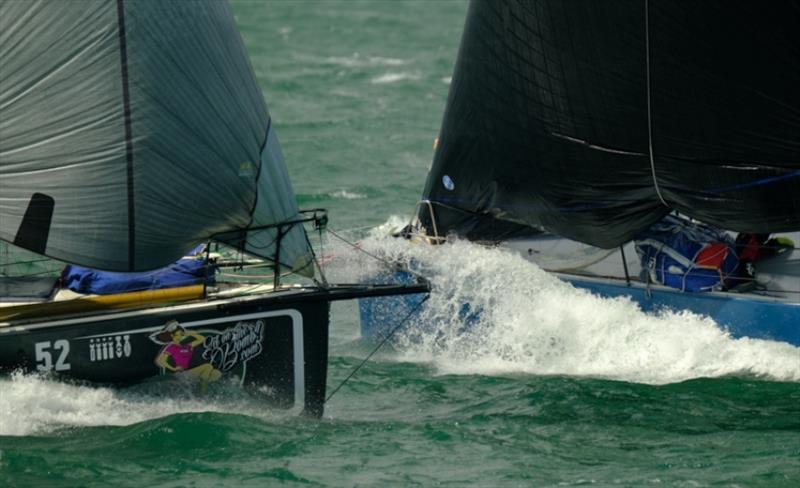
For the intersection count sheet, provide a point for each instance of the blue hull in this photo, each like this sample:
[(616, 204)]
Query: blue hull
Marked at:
[(742, 315)]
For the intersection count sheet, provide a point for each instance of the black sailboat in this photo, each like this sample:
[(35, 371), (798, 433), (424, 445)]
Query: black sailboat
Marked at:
[(131, 131), (572, 128)]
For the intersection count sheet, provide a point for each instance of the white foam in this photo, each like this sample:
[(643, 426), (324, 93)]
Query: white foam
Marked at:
[(347, 195), (395, 78), (285, 32), (534, 323), (31, 405), (356, 60)]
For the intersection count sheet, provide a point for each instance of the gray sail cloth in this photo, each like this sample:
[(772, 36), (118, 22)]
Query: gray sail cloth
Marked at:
[(141, 130)]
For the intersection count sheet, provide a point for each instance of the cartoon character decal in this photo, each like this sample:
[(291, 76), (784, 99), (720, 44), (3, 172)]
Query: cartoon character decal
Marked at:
[(180, 352), (206, 356)]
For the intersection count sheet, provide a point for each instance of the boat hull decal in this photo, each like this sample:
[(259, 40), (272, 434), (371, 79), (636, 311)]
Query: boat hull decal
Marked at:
[(269, 348)]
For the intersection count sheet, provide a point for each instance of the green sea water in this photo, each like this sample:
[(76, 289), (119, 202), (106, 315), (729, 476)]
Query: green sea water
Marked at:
[(556, 388)]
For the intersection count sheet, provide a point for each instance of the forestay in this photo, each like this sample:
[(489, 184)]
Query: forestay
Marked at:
[(132, 130)]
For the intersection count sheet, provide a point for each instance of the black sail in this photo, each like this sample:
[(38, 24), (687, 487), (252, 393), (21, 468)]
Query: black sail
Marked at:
[(592, 120), (726, 111)]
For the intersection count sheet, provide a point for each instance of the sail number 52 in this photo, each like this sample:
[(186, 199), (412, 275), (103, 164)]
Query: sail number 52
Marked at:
[(44, 358)]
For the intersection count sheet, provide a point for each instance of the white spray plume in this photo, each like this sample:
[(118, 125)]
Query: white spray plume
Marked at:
[(531, 322)]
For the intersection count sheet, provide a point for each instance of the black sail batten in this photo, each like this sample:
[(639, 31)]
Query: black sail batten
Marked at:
[(592, 120), (126, 103), (34, 230)]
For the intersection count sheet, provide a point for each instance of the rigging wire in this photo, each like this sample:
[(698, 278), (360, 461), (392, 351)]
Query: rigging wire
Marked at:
[(383, 341), (649, 105), (386, 262)]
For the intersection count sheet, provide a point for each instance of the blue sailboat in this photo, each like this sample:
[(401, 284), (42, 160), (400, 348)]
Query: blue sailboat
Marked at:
[(597, 138)]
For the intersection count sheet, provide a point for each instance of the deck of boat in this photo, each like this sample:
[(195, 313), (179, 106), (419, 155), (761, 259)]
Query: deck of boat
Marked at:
[(66, 302), (776, 277)]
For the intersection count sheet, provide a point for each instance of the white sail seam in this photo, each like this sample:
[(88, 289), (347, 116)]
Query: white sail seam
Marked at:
[(595, 146)]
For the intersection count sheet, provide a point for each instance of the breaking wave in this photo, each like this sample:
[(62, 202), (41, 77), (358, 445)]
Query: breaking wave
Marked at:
[(533, 323)]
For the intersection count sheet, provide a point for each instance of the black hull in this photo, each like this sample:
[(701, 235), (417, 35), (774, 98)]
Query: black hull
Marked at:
[(277, 346)]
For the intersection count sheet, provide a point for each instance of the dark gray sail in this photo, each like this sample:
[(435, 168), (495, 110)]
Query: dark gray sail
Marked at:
[(593, 120), (131, 130)]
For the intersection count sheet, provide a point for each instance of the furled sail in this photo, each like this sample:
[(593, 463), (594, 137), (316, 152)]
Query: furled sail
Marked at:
[(594, 119), (131, 130)]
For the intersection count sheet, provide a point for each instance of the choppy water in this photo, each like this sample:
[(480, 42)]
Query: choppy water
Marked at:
[(553, 387)]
